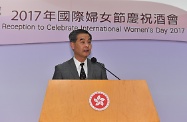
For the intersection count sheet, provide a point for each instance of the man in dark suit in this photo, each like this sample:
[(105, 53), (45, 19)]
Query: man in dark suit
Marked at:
[(79, 66)]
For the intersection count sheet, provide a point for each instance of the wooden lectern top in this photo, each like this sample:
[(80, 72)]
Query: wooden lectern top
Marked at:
[(68, 101)]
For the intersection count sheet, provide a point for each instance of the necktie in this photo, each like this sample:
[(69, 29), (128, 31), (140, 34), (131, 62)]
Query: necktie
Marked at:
[(82, 73)]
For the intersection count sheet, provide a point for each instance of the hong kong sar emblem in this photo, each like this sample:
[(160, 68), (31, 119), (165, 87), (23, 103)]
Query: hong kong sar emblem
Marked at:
[(99, 101)]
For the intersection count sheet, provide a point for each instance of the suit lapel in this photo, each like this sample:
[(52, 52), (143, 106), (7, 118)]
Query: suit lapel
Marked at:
[(73, 69), (90, 69)]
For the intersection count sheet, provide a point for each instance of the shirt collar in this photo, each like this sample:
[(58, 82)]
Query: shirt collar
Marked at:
[(77, 63)]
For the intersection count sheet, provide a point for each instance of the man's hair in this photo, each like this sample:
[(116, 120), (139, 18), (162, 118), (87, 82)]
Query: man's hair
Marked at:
[(74, 33)]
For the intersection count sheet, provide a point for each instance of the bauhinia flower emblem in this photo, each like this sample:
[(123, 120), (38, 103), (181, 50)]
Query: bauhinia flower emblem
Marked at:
[(99, 101)]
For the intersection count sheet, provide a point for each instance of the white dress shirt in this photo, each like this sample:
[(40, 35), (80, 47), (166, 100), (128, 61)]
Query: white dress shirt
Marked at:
[(78, 66)]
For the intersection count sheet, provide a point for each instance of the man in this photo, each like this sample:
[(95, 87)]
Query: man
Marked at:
[(80, 67)]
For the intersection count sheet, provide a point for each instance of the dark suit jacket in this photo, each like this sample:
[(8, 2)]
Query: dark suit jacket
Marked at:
[(68, 70)]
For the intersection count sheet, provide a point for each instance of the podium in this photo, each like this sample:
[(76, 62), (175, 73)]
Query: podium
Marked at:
[(68, 101)]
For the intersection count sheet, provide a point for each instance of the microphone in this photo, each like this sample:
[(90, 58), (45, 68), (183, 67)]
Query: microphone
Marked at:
[(94, 60)]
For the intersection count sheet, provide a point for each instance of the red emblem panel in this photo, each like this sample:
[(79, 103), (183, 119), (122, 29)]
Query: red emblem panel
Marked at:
[(99, 101)]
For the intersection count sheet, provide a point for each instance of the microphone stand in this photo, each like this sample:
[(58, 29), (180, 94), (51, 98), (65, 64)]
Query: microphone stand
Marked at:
[(110, 72), (94, 60)]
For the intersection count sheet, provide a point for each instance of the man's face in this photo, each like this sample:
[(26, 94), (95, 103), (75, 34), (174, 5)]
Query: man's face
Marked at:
[(82, 47)]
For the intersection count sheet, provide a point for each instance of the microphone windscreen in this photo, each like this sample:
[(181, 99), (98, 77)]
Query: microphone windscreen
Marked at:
[(93, 60)]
